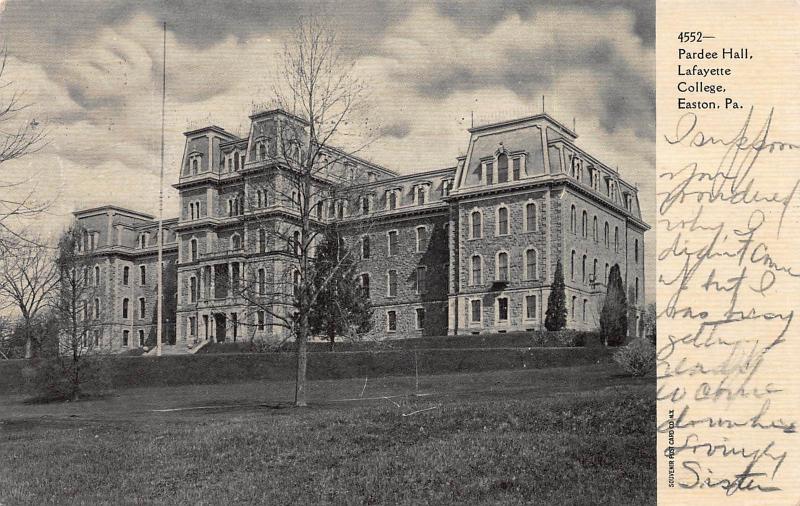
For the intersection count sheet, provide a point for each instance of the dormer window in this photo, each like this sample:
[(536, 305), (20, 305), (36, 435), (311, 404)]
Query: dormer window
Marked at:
[(194, 166), (262, 151), (365, 204), (370, 176), (391, 199), (142, 241), (447, 186), (421, 193), (502, 168)]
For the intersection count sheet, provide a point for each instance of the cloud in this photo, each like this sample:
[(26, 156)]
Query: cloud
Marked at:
[(93, 73)]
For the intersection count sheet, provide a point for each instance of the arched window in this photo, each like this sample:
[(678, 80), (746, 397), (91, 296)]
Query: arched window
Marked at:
[(262, 151), (616, 239), (477, 226), (97, 304), (594, 229), (142, 275), (142, 307), (296, 240), (530, 217), (96, 275), (476, 272), (194, 166), (636, 250), (584, 224), (502, 221), (124, 308), (192, 289), (365, 204), (502, 168), (365, 284), (421, 195), (594, 271), (572, 308), (572, 266), (392, 200), (262, 241), (502, 266), (236, 161), (605, 234), (259, 199), (365, 247), (193, 247), (606, 274), (583, 269), (572, 220), (585, 304), (531, 264), (126, 274)]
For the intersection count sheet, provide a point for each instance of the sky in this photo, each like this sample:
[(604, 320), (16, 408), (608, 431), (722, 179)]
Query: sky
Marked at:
[(91, 72)]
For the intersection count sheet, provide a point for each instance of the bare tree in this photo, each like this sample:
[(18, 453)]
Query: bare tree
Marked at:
[(308, 176), (76, 308), (19, 137), (28, 274)]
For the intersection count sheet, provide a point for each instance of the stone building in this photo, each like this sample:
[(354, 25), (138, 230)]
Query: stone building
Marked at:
[(465, 249)]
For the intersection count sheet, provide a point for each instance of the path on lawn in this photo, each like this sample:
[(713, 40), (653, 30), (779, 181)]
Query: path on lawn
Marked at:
[(192, 401)]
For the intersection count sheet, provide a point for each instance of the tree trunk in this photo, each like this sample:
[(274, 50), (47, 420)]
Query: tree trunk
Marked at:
[(302, 359)]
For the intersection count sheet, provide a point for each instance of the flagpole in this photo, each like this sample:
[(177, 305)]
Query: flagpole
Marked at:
[(160, 266)]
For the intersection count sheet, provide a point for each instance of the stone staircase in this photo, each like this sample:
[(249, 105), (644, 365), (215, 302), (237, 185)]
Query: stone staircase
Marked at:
[(178, 349)]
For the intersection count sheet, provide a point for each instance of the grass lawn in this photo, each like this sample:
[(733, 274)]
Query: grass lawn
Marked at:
[(579, 435)]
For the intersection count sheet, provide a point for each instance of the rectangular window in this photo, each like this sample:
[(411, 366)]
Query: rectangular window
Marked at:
[(125, 337), (365, 247), (475, 311), (142, 307), (530, 307), (126, 272), (142, 275), (391, 290), (516, 166), (391, 321), (489, 172), (262, 282), (420, 280), (502, 221), (192, 326), (502, 309), (476, 270), (392, 242), (260, 315), (193, 289), (420, 318), (422, 239)]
